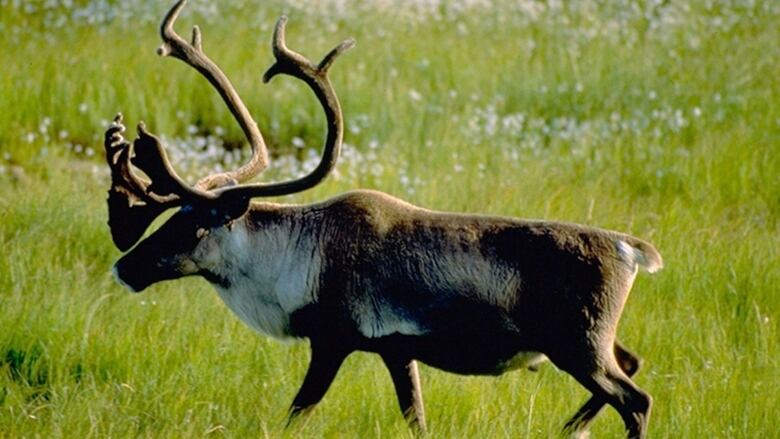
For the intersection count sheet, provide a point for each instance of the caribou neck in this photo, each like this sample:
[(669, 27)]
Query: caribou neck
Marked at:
[(265, 265)]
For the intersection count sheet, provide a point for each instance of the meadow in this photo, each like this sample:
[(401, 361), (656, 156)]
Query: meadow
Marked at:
[(661, 119)]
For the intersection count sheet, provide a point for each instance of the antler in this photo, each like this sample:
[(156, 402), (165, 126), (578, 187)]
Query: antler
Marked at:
[(134, 202), (193, 55), (294, 64)]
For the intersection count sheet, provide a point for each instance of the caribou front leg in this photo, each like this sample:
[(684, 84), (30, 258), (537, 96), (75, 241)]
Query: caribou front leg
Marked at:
[(406, 378), (325, 363)]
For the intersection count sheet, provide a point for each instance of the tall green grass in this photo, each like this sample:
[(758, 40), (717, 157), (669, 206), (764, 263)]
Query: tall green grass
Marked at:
[(661, 121)]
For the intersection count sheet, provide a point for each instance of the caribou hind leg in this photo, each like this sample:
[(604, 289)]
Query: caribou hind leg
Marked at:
[(605, 379), (629, 363), (406, 379)]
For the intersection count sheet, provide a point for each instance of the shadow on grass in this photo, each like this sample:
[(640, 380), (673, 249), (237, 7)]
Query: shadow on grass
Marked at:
[(28, 367)]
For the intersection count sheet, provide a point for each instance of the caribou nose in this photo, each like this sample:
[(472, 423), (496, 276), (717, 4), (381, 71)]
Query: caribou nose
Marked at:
[(115, 270)]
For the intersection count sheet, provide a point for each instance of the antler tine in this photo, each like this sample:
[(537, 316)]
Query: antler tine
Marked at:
[(293, 63), (315, 76), (133, 203), (328, 59), (193, 55), (119, 154), (150, 157)]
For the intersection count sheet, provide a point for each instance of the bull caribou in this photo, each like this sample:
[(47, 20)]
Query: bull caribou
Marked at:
[(364, 271)]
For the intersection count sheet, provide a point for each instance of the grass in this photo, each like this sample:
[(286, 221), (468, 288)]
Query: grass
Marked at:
[(662, 121)]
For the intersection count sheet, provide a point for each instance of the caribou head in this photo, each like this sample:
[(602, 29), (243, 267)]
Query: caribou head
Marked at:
[(216, 200)]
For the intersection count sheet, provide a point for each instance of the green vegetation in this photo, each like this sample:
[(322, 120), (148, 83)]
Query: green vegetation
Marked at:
[(661, 119)]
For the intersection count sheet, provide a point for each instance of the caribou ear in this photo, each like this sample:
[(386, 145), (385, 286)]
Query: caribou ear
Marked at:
[(235, 206), (224, 210)]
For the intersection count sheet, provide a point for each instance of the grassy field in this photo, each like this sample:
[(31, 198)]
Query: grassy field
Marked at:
[(661, 119)]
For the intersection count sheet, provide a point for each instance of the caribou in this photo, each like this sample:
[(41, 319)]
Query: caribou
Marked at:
[(364, 271)]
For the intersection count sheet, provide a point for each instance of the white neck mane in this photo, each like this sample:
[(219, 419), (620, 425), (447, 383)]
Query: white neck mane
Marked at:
[(266, 273)]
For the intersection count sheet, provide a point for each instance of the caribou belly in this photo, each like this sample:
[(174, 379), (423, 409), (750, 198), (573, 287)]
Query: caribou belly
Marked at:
[(522, 360)]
